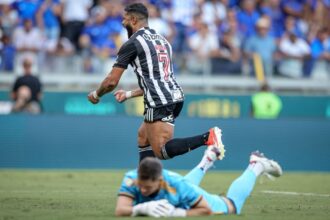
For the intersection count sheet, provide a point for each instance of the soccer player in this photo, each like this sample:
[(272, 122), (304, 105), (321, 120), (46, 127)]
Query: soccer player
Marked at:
[(150, 54), (156, 192)]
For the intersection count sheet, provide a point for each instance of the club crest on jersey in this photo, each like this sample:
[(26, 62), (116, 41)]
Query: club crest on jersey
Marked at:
[(151, 37), (129, 182)]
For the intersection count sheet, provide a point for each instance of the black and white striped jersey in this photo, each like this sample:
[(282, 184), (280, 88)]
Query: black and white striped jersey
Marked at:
[(150, 55)]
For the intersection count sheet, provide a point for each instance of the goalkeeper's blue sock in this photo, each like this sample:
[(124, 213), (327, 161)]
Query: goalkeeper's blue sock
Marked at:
[(180, 146), (241, 188), (145, 151), (195, 176)]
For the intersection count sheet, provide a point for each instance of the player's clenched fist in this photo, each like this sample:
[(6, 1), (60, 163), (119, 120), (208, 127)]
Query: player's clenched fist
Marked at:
[(93, 97), (120, 95)]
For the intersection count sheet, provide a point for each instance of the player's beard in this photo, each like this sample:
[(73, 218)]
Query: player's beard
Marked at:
[(129, 30)]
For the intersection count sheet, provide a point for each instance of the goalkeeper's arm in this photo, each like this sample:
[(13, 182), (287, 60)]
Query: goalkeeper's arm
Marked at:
[(159, 208), (201, 208), (124, 206)]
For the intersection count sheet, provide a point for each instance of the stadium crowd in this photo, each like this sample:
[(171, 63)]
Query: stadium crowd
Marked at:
[(288, 37)]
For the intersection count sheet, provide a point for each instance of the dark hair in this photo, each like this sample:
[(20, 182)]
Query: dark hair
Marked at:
[(137, 8), (264, 87), (150, 168), (323, 30)]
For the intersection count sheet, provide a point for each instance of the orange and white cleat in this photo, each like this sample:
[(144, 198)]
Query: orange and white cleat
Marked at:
[(214, 140)]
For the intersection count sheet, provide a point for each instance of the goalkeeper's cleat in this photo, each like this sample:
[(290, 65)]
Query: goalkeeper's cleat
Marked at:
[(271, 167), (214, 140)]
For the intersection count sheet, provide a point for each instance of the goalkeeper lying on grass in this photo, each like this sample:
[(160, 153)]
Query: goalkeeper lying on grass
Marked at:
[(153, 191)]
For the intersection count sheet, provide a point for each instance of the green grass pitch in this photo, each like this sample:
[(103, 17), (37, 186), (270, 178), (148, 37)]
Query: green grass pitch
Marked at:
[(90, 194)]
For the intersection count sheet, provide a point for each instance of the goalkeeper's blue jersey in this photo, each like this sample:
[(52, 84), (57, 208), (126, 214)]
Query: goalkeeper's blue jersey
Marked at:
[(175, 188)]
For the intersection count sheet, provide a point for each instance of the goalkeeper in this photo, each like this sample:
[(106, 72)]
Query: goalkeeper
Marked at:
[(156, 192)]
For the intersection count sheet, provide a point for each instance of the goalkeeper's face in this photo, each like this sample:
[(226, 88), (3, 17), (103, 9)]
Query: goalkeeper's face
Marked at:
[(149, 187)]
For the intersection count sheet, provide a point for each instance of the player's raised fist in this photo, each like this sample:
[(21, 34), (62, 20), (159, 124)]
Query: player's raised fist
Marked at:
[(120, 95), (93, 97)]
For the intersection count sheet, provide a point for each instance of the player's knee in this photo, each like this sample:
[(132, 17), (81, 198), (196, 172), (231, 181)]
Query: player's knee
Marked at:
[(143, 141), (158, 154), (141, 133), (157, 149), (142, 138), (158, 146)]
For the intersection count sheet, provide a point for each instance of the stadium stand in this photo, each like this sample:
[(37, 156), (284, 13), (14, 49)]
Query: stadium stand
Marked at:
[(67, 62)]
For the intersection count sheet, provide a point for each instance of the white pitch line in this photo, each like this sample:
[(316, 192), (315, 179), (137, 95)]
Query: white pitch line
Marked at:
[(295, 193)]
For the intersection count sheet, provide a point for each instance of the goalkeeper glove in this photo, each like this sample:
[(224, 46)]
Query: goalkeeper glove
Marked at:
[(178, 212), (159, 208), (174, 212)]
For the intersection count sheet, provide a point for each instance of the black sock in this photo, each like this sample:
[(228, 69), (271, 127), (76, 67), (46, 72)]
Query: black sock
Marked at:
[(145, 151), (180, 146)]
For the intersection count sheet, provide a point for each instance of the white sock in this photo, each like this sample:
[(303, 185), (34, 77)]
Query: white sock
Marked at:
[(205, 164), (257, 168)]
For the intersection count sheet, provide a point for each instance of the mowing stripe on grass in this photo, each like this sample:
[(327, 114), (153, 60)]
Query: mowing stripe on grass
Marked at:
[(295, 193)]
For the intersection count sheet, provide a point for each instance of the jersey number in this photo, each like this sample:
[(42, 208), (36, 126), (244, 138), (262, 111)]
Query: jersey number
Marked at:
[(163, 57)]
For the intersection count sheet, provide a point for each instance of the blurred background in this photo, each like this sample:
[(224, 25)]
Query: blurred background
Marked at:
[(259, 69)]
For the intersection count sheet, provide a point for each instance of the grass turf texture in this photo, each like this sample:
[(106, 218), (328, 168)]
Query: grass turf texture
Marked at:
[(52, 194)]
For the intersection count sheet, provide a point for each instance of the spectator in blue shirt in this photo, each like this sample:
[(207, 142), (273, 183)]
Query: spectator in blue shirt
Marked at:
[(114, 17), (298, 9), (293, 7), (48, 22), (321, 45), (262, 44), (7, 54), (233, 3), (320, 49), (26, 9), (161, 3), (273, 10), (98, 31), (96, 39), (247, 18)]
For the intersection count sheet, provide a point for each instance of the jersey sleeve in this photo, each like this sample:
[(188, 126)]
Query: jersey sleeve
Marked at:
[(127, 53), (127, 187)]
